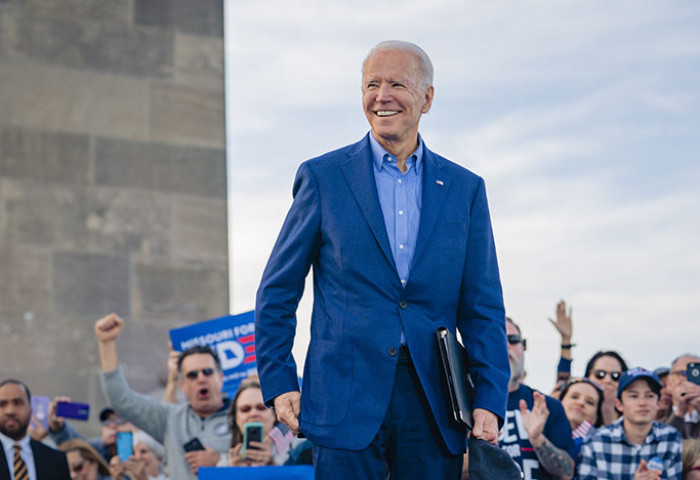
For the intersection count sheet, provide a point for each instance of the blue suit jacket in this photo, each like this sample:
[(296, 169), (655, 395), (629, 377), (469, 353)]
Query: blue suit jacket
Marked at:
[(360, 307)]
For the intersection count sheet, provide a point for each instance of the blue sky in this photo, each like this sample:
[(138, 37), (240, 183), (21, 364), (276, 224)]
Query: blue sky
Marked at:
[(583, 118)]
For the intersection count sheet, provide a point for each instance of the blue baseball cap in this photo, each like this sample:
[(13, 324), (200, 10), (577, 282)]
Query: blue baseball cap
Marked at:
[(639, 373)]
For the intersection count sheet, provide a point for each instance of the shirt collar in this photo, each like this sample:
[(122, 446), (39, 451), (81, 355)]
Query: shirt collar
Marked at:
[(618, 433), (379, 154), (8, 443)]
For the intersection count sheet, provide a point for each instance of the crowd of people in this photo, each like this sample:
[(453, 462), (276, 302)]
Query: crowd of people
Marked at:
[(615, 422)]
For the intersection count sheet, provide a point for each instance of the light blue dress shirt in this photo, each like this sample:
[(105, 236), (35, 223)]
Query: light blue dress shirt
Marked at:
[(400, 196), (26, 454)]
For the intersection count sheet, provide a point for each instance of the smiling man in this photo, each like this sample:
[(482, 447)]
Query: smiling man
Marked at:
[(203, 417), (635, 447), (400, 242)]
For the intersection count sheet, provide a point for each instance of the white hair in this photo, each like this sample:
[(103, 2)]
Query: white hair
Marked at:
[(150, 442), (426, 66)]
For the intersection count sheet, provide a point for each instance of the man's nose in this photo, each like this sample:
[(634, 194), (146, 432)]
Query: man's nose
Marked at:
[(384, 93)]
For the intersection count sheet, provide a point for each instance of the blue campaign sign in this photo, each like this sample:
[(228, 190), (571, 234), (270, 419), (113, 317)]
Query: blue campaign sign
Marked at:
[(302, 472), (232, 337)]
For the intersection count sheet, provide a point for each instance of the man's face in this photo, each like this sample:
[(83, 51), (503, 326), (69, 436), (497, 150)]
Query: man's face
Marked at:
[(15, 411), (678, 370), (638, 403), (392, 96), (201, 382), (516, 355)]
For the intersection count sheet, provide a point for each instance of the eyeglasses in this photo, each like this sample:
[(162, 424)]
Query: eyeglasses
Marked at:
[(515, 339), (247, 408), (682, 373), (614, 376), (193, 374)]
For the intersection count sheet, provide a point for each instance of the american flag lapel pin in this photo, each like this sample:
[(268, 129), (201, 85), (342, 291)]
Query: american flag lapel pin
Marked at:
[(440, 182)]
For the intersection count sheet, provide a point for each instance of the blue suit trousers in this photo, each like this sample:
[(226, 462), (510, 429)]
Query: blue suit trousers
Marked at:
[(408, 446)]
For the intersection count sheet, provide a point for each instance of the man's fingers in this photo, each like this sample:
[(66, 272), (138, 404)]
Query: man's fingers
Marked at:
[(288, 406)]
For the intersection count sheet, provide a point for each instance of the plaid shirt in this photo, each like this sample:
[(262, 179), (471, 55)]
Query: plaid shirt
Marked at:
[(608, 455)]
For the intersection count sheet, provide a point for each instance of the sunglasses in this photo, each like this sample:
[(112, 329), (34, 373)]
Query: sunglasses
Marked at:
[(247, 408), (193, 374), (614, 376), (515, 339)]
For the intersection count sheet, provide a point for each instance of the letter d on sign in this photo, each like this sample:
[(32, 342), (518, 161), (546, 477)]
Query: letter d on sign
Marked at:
[(230, 353)]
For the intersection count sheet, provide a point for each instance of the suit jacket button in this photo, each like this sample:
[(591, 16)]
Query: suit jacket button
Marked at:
[(392, 352), (403, 304)]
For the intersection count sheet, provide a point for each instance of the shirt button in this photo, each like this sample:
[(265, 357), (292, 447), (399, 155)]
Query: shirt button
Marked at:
[(392, 351), (403, 304), (400, 212), (401, 247), (403, 281)]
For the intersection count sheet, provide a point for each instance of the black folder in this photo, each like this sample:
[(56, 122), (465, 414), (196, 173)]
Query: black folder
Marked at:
[(453, 357)]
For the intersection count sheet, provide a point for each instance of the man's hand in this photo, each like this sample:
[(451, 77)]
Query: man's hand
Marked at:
[(36, 430), (563, 324), (288, 406), (108, 329), (534, 420), (645, 473), (56, 423), (202, 458), (686, 398), (485, 425)]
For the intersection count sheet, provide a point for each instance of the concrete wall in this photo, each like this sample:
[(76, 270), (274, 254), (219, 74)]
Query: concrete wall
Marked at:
[(112, 184)]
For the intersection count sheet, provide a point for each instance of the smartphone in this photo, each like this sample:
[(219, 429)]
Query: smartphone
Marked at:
[(40, 408), (252, 432), (693, 373), (74, 410), (125, 445), (193, 445)]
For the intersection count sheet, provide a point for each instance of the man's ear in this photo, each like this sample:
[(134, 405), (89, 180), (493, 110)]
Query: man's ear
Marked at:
[(619, 406)]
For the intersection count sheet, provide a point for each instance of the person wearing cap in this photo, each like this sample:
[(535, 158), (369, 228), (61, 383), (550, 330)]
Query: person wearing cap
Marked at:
[(636, 447), (536, 432), (685, 395), (106, 444)]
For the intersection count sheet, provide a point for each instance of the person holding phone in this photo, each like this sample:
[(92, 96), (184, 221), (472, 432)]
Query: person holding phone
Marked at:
[(146, 463), (249, 414), (685, 415)]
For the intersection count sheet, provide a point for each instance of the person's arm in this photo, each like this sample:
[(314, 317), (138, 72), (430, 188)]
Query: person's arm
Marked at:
[(481, 310), (556, 461), (144, 412), (170, 394), (278, 296), (564, 326)]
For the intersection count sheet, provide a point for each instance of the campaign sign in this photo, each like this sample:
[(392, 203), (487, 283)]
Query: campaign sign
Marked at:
[(232, 337), (301, 472)]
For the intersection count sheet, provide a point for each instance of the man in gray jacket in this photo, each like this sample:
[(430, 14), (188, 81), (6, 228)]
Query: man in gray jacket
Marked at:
[(204, 417)]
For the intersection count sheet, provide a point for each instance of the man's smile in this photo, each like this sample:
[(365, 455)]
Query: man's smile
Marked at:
[(387, 113)]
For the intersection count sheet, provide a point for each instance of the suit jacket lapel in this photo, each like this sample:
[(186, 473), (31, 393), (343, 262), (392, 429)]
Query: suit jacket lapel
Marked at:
[(358, 171), (436, 181)]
